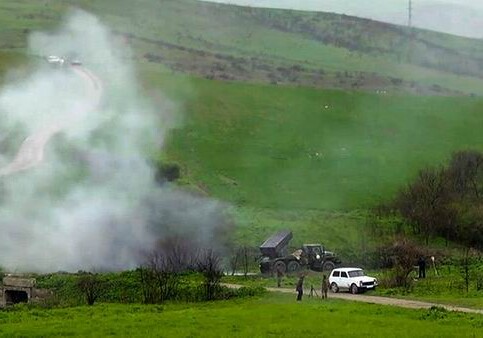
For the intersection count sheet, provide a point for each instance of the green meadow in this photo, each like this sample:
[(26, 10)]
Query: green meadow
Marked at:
[(303, 148), (273, 315)]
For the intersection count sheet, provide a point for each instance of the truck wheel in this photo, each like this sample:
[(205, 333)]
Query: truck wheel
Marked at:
[(354, 290), (334, 288), (328, 266), (293, 266), (279, 266), (264, 269)]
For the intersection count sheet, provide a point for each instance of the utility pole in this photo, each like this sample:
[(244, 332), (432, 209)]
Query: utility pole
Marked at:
[(410, 32), (410, 14)]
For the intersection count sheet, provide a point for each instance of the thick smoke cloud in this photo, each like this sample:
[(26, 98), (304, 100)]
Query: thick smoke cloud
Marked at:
[(90, 201)]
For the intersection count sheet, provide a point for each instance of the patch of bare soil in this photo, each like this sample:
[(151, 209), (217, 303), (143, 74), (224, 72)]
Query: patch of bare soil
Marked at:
[(226, 67)]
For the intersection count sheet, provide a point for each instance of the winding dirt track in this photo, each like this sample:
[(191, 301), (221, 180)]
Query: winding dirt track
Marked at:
[(410, 304), (31, 152)]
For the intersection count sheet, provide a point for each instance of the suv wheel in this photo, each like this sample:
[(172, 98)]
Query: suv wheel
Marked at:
[(354, 290), (334, 288)]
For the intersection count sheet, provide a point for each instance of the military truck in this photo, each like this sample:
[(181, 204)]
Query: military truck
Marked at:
[(275, 256)]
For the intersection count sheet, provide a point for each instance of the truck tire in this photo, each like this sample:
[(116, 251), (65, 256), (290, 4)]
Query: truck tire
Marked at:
[(264, 268), (293, 266), (334, 288), (279, 266), (328, 266), (354, 289)]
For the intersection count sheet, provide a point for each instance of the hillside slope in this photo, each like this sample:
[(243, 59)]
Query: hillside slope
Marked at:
[(458, 17), (272, 46), (286, 155)]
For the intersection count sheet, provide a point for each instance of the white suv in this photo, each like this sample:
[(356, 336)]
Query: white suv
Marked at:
[(351, 279)]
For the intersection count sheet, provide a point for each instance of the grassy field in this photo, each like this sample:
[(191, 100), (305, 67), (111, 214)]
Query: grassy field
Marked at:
[(302, 148), (273, 315)]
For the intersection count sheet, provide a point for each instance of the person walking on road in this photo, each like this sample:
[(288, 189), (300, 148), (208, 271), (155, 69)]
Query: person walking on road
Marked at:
[(300, 288)]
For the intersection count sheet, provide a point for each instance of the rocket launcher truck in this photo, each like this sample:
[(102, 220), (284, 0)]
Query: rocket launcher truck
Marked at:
[(275, 256)]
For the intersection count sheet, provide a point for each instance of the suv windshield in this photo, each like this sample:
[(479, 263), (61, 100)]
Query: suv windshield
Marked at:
[(356, 273)]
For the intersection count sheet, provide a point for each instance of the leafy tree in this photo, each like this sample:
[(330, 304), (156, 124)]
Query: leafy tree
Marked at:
[(90, 286), (425, 203), (402, 256), (465, 171), (447, 201)]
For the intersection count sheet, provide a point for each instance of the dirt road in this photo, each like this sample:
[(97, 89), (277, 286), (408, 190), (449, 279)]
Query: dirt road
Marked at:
[(31, 152), (410, 304)]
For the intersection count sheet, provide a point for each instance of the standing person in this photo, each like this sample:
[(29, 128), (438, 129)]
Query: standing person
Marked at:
[(422, 267), (279, 277), (325, 286), (300, 288)]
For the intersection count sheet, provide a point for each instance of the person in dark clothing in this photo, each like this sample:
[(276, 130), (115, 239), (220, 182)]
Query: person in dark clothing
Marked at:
[(300, 288), (422, 267), (325, 286), (279, 277)]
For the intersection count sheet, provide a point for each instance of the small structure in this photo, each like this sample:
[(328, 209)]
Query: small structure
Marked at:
[(17, 290)]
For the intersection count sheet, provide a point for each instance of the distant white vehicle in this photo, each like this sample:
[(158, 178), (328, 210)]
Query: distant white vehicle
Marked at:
[(76, 62), (55, 60), (351, 279)]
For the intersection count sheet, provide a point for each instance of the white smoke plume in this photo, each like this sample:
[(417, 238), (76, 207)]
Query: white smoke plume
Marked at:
[(89, 202)]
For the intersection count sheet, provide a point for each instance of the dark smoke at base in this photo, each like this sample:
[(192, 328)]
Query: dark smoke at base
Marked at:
[(92, 204)]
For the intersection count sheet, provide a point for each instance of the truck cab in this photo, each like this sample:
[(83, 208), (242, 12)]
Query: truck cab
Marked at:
[(318, 258)]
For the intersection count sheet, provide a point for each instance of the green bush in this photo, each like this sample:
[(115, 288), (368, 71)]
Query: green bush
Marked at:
[(248, 291), (125, 287), (168, 171), (435, 313)]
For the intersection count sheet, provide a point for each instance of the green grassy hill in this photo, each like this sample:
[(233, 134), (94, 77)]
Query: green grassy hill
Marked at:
[(284, 159), (303, 148), (274, 46), (273, 141)]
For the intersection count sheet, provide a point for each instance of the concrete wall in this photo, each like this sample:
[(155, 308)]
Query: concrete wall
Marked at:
[(19, 282)]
